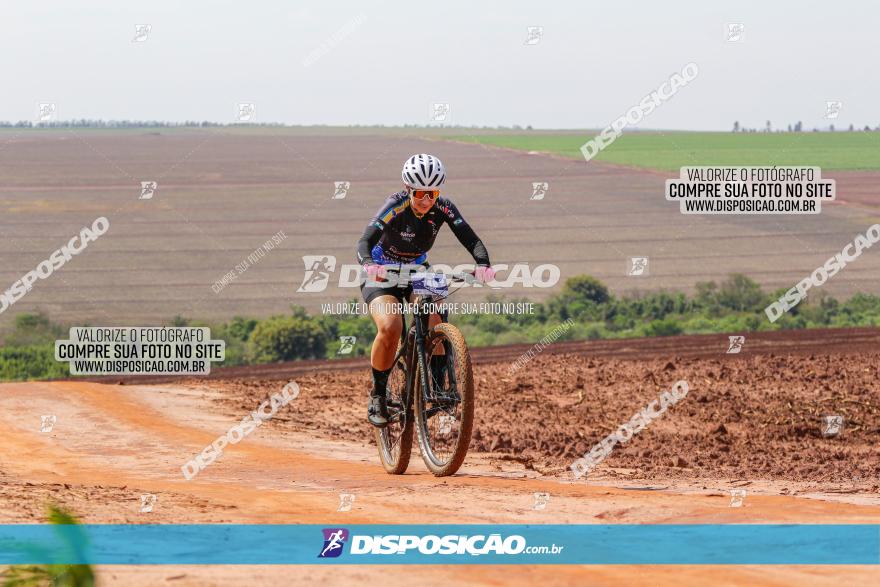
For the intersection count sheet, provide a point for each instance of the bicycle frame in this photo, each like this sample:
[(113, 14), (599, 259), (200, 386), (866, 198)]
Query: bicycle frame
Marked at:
[(413, 350), (437, 382)]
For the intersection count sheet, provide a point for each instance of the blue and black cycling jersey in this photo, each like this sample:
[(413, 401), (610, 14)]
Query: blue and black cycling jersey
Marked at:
[(396, 235)]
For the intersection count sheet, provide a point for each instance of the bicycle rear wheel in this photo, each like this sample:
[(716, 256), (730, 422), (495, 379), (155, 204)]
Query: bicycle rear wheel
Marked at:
[(395, 439), (445, 411)]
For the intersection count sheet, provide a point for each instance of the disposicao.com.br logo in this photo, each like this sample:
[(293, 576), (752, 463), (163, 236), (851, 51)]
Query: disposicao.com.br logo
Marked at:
[(334, 541), (320, 270)]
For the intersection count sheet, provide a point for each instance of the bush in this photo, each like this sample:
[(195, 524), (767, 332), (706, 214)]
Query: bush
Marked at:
[(241, 328), (586, 288), (581, 297), (861, 310), (735, 306), (665, 327), (284, 338), (737, 293), (34, 329), (741, 294), (360, 327), (30, 362), (699, 325)]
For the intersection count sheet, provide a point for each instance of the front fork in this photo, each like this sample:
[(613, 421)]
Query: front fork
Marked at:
[(420, 327), (419, 335), (413, 340)]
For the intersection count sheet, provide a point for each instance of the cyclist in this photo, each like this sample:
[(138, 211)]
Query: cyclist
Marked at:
[(402, 233)]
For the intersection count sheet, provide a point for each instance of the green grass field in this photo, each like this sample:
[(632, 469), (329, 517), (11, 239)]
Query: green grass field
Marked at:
[(672, 150)]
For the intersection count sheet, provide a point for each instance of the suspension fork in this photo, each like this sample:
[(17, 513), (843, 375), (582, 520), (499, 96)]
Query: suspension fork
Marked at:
[(413, 356), (421, 332), (406, 354)]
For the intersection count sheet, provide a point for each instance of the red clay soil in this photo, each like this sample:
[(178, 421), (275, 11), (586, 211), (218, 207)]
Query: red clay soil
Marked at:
[(754, 415), (812, 341)]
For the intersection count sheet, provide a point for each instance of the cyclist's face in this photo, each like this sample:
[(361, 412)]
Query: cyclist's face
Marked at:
[(422, 200)]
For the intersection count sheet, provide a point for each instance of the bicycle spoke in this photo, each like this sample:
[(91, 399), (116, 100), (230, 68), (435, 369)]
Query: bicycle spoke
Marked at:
[(442, 415)]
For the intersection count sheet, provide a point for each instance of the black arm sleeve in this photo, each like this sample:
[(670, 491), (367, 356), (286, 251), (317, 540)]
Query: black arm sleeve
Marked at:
[(372, 234), (466, 236), (373, 231)]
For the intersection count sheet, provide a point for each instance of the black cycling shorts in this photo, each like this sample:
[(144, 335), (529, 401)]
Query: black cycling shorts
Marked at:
[(402, 292), (371, 292)]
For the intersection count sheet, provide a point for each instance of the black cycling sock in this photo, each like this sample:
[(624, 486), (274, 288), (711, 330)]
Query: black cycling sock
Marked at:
[(438, 368), (380, 380)]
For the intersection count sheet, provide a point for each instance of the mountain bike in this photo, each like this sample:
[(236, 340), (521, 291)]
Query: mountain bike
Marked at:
[(437, 403)]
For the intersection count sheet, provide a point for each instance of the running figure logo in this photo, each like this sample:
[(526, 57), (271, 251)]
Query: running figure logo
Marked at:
[(342, 188), (440, 112), (832, 109), (346, 344), (334, 540), (47, 422), (736, 344), (142, 32), (346, 500), (541, 500), (148, 190), (318, 270), (534, 34), (637, 266), (833, 425), (247, 111), (737, 496), (147, 502), (46, 111), (539, 190), (446, 422), (735, 32)]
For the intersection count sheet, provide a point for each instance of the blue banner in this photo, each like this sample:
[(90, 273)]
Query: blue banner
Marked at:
[(586, 544)]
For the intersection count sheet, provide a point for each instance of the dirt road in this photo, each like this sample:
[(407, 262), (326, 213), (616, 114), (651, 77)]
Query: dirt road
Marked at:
[(110, 444)]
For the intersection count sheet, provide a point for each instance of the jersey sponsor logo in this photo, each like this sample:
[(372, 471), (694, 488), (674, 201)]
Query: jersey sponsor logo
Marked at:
[(399, 255)]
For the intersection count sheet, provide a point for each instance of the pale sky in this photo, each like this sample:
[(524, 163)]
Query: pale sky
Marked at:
[(387, 62)]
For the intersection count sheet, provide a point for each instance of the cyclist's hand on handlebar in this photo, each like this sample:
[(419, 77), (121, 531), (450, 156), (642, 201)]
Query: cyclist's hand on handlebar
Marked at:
[(374, 270), (484, 274)]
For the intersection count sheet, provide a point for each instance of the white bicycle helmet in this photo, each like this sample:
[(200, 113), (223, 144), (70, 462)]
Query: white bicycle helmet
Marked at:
[(423, 172)]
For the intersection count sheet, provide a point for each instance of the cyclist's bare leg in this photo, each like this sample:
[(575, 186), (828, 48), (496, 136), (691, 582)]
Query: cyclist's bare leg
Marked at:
[(385, 311)]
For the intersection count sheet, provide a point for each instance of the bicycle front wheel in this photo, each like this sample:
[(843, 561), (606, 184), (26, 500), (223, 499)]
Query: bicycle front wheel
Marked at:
[(445, 409)]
